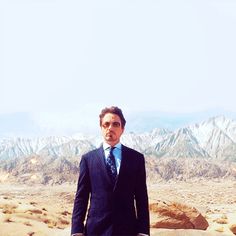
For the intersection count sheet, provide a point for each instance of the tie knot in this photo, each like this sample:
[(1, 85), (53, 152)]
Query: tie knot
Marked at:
[(112, 149)]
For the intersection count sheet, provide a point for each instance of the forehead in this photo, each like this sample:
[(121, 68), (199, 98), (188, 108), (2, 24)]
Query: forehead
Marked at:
[(111, 117)]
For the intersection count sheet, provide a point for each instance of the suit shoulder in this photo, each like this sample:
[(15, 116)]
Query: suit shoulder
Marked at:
[(91, 153), (132, 151)]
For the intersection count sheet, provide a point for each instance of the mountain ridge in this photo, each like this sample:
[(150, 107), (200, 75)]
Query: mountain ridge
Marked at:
[(56, 159)]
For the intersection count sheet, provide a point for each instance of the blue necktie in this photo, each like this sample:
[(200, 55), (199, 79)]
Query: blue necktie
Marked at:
[(111, 165)]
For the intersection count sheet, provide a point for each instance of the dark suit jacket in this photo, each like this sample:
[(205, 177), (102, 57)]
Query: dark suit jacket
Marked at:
[(113, 210)]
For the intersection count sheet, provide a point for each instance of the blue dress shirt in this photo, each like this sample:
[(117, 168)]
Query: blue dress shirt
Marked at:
[(116, 153)]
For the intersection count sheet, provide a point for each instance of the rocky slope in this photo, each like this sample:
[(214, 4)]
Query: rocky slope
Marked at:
[(203, 150)]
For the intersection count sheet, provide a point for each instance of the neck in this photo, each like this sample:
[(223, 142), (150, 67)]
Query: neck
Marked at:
[(112, 144)]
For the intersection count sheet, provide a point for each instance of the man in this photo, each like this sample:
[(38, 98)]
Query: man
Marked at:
[(113, 179)]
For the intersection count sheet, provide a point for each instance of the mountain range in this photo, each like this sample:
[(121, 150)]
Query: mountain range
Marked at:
[(209, 145)]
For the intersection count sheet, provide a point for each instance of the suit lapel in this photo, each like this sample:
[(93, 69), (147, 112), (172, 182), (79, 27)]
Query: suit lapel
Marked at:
[(123, 165), (102, 163)]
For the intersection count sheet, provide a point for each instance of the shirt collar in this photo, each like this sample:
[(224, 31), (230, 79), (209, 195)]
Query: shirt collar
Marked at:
[(106, 146)]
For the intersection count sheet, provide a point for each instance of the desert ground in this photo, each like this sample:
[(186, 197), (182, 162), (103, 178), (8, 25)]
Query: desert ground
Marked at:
[(38, 210)]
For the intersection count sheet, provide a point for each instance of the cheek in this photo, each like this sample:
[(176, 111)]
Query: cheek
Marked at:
[(120, 132)]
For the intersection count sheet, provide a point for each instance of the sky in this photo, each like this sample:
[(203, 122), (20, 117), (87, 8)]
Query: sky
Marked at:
[(62, 61)]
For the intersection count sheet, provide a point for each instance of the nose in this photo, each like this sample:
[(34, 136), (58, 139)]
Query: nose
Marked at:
[(110, 126)]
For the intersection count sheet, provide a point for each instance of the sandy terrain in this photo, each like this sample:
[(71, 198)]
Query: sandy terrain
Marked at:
[(46, 210), (215, 200)]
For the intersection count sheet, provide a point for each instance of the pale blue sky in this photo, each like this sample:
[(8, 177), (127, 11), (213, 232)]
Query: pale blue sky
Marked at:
[(59, 59)]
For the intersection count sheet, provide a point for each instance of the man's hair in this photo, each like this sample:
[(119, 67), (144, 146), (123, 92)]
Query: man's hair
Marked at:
[(113, 110)]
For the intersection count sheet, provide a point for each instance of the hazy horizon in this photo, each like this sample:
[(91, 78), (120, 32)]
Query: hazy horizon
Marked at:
[(61, 62), (23, 124)]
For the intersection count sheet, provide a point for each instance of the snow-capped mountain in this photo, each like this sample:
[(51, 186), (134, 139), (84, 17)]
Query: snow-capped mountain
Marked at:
[(45, 158), (217, 137), (214, 138), (50, 146), (144, 141), (181, 143)]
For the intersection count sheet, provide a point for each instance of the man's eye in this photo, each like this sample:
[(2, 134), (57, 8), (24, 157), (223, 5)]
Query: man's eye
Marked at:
[(107, 124), (113, 124), (116, 124)]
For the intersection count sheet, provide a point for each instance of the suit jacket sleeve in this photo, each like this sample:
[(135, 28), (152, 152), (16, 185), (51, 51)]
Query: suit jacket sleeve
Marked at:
[(141, 197), (81, 198)]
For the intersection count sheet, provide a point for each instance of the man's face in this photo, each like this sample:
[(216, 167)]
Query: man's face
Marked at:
[(111, 128)]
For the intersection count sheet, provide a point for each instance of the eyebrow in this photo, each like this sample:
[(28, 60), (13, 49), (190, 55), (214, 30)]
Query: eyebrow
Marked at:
[(114, 123)]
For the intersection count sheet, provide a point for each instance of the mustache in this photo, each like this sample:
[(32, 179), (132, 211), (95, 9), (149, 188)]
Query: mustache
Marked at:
[(110, 132)]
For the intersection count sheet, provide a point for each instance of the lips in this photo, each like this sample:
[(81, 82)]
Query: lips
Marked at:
[(109, 135)]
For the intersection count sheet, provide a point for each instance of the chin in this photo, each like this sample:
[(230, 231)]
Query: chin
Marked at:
[(109, 141), (109, 138)]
